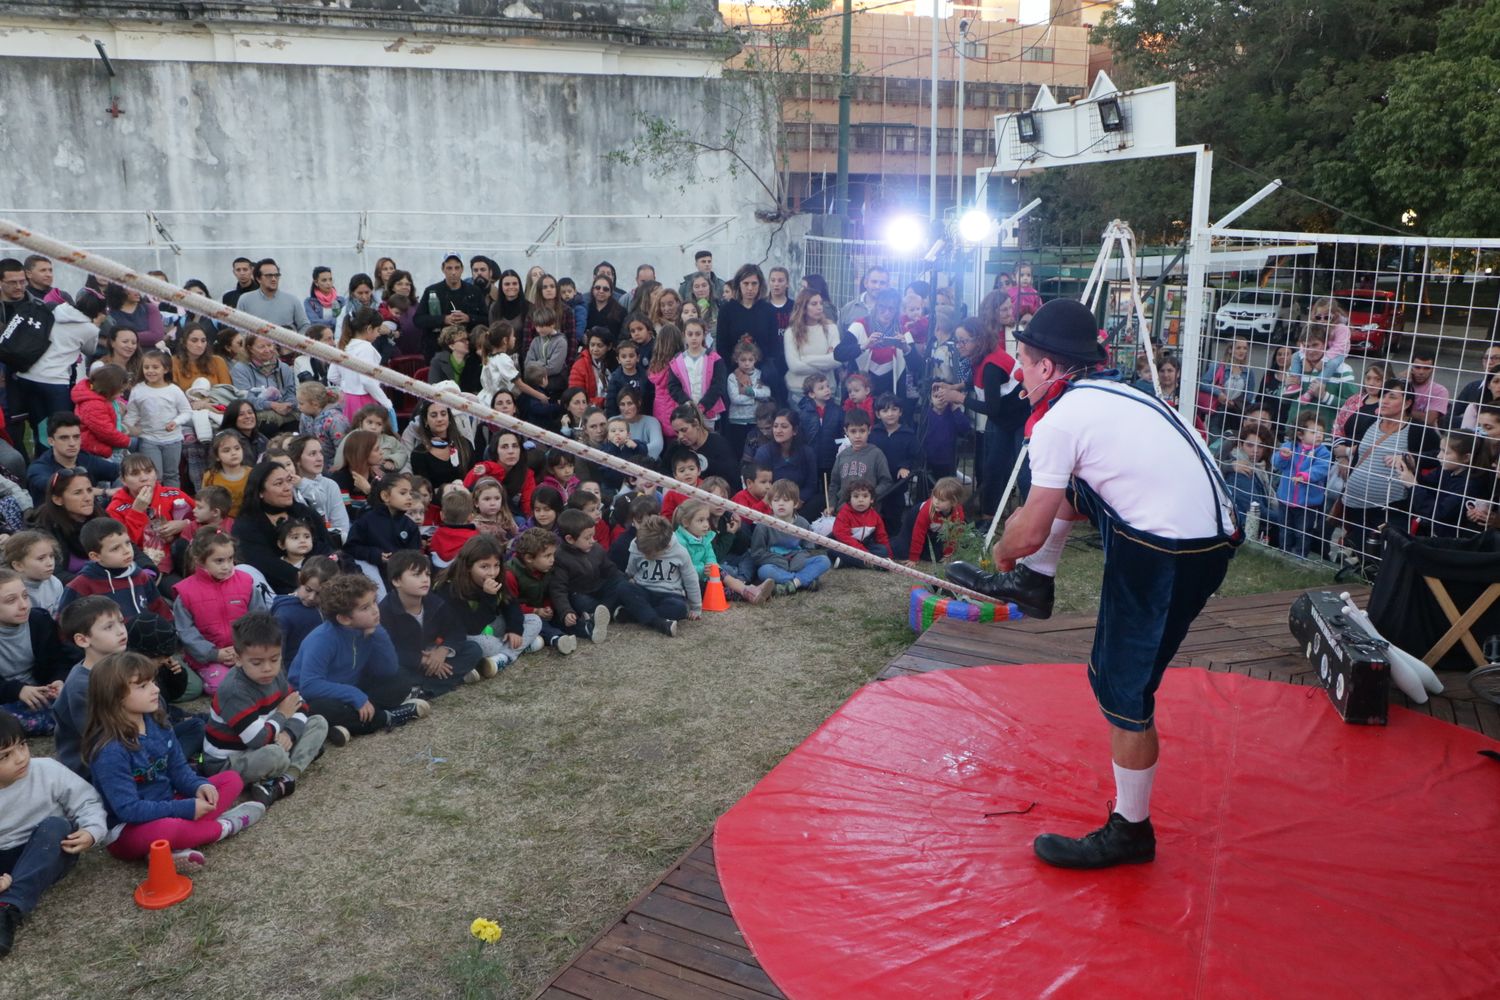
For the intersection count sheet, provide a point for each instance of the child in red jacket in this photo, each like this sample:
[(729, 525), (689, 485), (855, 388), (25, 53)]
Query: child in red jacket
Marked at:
[(859, 524), (926, 533), (590, 371), (154, 515), (458, 527), (100, 405)]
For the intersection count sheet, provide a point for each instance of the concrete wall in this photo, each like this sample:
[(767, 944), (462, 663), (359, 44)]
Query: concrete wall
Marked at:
[(227, 154)]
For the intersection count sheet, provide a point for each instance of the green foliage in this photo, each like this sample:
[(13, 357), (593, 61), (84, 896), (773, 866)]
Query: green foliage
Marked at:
[(1276, 85), (1434, 146)]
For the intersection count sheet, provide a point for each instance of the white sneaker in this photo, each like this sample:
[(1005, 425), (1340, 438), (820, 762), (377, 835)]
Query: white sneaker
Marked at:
[(536, 645), (565, 644), (599, 629)]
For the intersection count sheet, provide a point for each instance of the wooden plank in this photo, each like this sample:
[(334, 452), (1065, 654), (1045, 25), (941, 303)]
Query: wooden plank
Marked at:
[(1465, 715), (701, 941), (553, 993), (1441, 708), (590, 987), (692, 918), (740, 979), (696, 884), (1489, 719), (692, 898), (649, 981)]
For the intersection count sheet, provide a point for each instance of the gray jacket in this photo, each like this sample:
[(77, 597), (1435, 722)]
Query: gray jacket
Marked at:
[(671, 573)]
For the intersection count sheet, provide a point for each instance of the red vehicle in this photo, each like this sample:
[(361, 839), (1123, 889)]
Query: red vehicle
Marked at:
[(1376, 319)]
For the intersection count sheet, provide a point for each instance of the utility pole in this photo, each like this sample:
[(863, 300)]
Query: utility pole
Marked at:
[(932, 158), (841, 185), (958, 119)]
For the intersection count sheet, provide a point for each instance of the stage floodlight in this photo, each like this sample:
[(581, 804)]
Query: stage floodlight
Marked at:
[(1027, 127), (975, 226), (905, 234), (1111, 115)]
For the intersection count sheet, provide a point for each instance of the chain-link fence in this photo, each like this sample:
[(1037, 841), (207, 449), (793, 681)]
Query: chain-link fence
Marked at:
[(1348, 382)]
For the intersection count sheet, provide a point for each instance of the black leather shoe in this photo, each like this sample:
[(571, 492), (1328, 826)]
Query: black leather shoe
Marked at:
[(1117, 842), (10, 919), (1029, 590)]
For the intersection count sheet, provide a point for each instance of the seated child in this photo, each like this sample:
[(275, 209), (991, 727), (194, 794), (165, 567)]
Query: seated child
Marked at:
[(141, 773), (347, 669), (259, 727), (33, 554), (859, 524), (791, 562), (457, 527), (211, 511), (1303, 470), (385, 528), (860, 459), (94, 625), (693, 522), (929, 531), (546, 503), (760, 436), (428, 634), (112, 572), (732, 540), (857, 396), (209, 602), (492, 514), (758, 479), (527, 579), (586, 499), (559, 473), (48, 817), (32, 661), (157, 640), (473, 585), (587, 587), (630, 515), (685, 467), (154, 515), (297, 613), (664, 570), (620, 444), (295, 540)]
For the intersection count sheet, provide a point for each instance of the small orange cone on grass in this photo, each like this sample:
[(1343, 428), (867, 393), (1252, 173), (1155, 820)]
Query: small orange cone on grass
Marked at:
[(713, 594), (163, 887)]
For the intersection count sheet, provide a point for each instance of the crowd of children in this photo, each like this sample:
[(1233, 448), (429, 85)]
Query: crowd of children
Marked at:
[(332, 569)]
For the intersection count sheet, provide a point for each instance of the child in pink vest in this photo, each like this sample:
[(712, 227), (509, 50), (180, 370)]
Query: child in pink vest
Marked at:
[(209, 602)]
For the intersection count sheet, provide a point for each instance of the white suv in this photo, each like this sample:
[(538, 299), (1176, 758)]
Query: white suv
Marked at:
[(1258, 313)]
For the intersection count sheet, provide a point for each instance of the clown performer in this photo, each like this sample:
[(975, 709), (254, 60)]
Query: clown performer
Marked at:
[(1107, 453)]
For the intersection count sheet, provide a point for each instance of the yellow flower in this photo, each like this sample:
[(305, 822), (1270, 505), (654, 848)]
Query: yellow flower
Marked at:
[(485, 930)]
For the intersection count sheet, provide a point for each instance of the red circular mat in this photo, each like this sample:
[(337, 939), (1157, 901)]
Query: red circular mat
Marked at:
[(1297, 856)]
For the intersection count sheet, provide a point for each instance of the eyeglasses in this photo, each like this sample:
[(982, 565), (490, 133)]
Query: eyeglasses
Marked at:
[(601, 288), (270, 274)]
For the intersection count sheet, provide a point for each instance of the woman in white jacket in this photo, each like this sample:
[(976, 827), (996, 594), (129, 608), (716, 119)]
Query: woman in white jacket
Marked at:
[(810, 338), (45, 387)]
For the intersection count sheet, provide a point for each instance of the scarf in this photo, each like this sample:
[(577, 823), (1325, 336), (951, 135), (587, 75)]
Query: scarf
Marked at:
[(325, 299)]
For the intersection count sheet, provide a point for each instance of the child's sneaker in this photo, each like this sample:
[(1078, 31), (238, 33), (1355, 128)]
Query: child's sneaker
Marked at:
[(838, 561), (191, 856), (240, 818), (472, 677), (411, 708), (812, 584), (597, 628), (565, 644), (263, 792), (666, 626), (286, 786), (536, 645), (338, 736), (785, 589), (487, 668), (761, 592)]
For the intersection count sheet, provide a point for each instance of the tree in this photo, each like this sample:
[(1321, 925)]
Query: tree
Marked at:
[(776, 49), (1273, 85), (1433, 144)]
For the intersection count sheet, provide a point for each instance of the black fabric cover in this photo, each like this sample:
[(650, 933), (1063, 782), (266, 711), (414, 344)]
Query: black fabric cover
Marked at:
[(1403, 608)]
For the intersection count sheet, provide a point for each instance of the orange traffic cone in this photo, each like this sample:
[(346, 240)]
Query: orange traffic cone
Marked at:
[(163, 887), (713, 594)]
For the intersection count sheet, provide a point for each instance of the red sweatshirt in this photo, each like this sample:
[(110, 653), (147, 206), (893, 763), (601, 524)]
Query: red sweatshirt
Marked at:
[(164, 499), (670, 501), (859, 530), (926, 522), (744, 499), (449, 538), (867, 404), (585, 376)]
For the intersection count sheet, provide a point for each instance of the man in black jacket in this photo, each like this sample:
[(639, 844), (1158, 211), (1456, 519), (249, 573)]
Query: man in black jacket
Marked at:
[(449, 302)]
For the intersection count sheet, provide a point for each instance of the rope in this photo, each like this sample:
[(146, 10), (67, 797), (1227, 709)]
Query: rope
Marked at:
[(64, 253)]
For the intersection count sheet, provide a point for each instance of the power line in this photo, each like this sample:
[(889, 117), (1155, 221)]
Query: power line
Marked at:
[(1314, 198)]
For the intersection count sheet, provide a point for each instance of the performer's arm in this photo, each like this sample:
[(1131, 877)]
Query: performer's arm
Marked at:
[(1027, 528)]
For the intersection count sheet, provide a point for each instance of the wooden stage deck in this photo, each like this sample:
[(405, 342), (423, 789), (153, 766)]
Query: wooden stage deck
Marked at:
[(678, 941)]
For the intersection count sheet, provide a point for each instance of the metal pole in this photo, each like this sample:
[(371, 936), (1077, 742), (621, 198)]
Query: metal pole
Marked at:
[(932, 158), (841, 184), (1192, 312), (958, 122)]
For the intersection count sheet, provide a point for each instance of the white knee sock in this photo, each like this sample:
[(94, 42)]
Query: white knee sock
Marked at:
[(1044, 560), (1133, 792)]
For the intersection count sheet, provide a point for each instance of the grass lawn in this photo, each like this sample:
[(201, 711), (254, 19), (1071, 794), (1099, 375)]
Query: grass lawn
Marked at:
[(544, 799)]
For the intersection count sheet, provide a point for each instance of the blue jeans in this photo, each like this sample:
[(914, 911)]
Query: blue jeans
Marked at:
[(38, 864), (625, 595), (40, 400), (814, 568), (875, 548)]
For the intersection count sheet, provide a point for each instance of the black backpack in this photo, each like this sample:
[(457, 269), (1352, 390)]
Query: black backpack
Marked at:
[(26, 336)]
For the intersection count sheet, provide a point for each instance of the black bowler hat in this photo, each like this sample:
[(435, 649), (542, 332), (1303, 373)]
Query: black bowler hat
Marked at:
[(1065, 327)]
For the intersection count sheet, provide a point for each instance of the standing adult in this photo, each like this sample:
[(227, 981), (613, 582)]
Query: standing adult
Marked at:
[(270, 498), (703, 263), (39, 282), (645, 275), (876, 280), (269, 302), (509, 304), (993, 394), (399, 288), (244, 281), (128, 311), (450, 302), (809, 342), (45, 387), (324, 304), (750, 316), (1102, 451), (1374, 484)]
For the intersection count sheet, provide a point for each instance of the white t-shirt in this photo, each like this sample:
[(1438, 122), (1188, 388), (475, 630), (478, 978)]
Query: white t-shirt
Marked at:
[(1128, 454)]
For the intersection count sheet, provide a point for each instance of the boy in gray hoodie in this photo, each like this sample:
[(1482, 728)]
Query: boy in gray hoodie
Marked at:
[(663, 568)]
